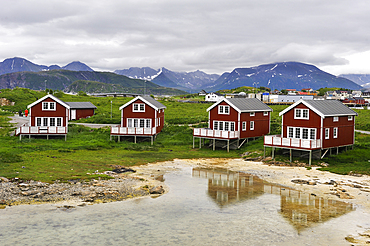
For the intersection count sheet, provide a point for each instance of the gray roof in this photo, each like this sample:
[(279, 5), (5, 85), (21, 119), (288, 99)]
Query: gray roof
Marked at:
[(154, 102), (325, 107), (244, 104), (81, 105)]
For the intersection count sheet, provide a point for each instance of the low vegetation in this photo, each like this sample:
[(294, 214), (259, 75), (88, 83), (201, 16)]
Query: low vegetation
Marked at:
[(88, 151)]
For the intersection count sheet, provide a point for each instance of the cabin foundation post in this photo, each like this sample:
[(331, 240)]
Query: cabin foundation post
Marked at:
[(65, 138), (264, 152), (200, 143), (135, 139), (119, 138), (29, 136), (309, 161), (228, 145), (20, 137), (273, 153), (290, 155), (151, 138), (337, 150), (47, 137), (193, 142), (214, 144)]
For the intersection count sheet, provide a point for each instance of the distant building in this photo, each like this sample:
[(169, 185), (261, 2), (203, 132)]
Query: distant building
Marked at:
[(289, 98), (202, 93), (214, 97)]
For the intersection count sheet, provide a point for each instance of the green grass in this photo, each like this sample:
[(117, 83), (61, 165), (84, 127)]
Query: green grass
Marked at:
[(87, 150)]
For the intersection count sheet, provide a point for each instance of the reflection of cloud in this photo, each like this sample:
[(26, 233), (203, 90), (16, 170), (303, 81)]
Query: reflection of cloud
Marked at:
[(300, 209)]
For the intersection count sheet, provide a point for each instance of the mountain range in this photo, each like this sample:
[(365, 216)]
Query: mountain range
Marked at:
[(283, 75), (360, 79)]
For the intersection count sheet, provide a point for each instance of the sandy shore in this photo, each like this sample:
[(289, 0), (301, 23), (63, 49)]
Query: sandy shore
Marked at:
[(353, 189)]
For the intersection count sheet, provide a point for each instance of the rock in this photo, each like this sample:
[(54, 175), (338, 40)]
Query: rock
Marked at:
[(123, 170), (312, 182), (3, 179), (300, 181), (157, 190)]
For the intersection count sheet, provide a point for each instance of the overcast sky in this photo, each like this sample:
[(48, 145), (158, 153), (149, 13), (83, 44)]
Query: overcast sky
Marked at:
[(214, 36)]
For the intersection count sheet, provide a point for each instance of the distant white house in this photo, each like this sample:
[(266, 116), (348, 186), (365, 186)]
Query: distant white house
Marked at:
[(202, 93), (214, 97), (289, 98)]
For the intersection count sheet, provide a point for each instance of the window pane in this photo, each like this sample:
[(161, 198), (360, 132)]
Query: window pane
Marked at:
[(136, 107), (142, 107), (252, 125), (221, 109), (221, 125), (135, 123), (52, 121), (148, 125), (298, 113), (226, 126), (45, 105), (290, 132), (305, 134), (313, 134), (38, 121), (226, 109), (129, 122), (142, 121), (59, 121), (298, 133), (232, 126), (45, 121), (52, 105), (305, 113), (215, 125)]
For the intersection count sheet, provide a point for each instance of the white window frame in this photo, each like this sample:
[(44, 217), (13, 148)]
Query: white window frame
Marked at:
[(335, 132), (223, 125), (139, 123), (290, 132), (301, 113), (244, 126), (251, 125), (46, 121), (327, 133), (49, 106), (301, 133), (350, 118), (138, 107), (265, 113), (223, 109), (252, 114), (335, 119)]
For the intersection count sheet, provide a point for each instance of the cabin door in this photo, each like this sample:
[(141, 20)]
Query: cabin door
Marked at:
[(73, 114)]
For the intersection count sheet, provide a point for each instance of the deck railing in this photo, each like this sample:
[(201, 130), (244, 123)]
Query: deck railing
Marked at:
[(278, 141), (44, 130), (205, 132), (117, 130)]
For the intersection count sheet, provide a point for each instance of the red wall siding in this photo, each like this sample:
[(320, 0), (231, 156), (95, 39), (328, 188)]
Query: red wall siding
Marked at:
[(345, 132), (261, 125), (148, 114), (84, 113), (313, 122), (36, 111), (233, 116)]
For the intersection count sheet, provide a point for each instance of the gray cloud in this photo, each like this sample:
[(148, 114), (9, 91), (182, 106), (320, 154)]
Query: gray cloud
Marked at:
[(214, 36)]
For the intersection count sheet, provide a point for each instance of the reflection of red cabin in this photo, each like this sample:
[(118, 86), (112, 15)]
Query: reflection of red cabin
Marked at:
[(48, 116), (142, 116), (79, 110), (354, 100), (236, 118), (315, 125)]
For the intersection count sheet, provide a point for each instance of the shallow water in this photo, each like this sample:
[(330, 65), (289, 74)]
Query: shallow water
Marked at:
[(203, 207)]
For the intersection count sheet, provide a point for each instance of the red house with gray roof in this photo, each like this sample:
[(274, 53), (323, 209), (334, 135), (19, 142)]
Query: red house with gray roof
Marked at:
[(315, 125), (47, 116), (235, 119), (143, 116)]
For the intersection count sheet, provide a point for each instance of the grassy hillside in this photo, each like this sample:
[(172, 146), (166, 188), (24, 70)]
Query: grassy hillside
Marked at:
[(87, 150), (61, 79)]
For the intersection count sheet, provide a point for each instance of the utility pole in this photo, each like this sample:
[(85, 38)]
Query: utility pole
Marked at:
[(111, 111), (255, 90)]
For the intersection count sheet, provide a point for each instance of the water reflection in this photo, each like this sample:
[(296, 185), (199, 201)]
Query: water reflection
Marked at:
[(301, 210)]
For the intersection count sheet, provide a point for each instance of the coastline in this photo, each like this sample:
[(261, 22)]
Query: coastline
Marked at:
[(147, 181)]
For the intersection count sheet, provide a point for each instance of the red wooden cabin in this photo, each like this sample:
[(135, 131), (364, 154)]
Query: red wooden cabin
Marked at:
[(315, 125), (235, 119), (79, 110), (47, 116), (143, 116)]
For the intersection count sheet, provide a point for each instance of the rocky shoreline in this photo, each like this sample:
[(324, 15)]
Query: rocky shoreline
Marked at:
[(80, 193)]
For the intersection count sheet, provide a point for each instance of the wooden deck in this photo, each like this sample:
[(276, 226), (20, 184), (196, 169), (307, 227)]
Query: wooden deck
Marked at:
[(132, 131), (208, 133), (293, 143)]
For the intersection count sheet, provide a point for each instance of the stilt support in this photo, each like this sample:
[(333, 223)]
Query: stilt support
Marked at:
[(214, 144)]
